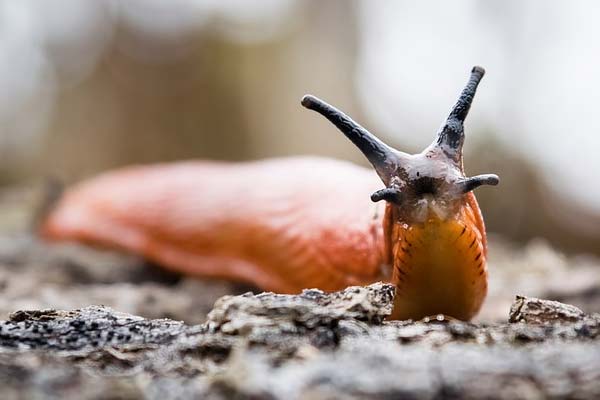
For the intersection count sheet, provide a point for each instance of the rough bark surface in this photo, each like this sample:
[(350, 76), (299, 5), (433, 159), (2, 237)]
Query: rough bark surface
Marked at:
[(310, 346)]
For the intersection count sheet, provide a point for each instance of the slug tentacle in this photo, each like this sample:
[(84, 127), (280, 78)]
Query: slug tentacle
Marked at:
[(451, 136), (391, 194), (384, 159), (474, 182)]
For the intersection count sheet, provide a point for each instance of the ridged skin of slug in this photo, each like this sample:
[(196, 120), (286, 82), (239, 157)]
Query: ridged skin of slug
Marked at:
[(282, 224), (439, 266)]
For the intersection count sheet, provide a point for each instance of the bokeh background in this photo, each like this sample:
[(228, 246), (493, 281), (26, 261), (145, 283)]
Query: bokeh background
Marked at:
[(90, 85)]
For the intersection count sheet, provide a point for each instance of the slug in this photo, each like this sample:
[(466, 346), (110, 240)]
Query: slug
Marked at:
[(294, 223)]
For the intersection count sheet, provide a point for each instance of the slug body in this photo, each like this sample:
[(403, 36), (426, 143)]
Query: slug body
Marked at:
[(278, 224), (289, 224)]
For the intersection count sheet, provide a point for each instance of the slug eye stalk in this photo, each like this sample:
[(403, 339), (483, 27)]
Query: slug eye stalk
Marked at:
[(451, 136), (384, 159)]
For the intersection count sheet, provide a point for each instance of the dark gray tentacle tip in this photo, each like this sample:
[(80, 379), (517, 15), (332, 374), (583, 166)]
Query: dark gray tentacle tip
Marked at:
[(478, 70), (391, 194), (474, 182), (310, 102)]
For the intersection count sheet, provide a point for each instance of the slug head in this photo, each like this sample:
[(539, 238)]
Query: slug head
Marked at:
[(418, 185)]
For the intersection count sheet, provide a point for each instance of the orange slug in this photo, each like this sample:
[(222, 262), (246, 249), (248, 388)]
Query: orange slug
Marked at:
[(294, 223)]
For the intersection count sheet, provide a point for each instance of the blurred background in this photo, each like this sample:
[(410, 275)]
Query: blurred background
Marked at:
[(90, 85)]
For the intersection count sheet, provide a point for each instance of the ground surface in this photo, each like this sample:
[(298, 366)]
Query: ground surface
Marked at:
[(309, 346)]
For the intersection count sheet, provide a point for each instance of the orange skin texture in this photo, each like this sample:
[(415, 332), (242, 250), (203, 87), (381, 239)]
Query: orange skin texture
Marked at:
[(439, 267), (283, 225)]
